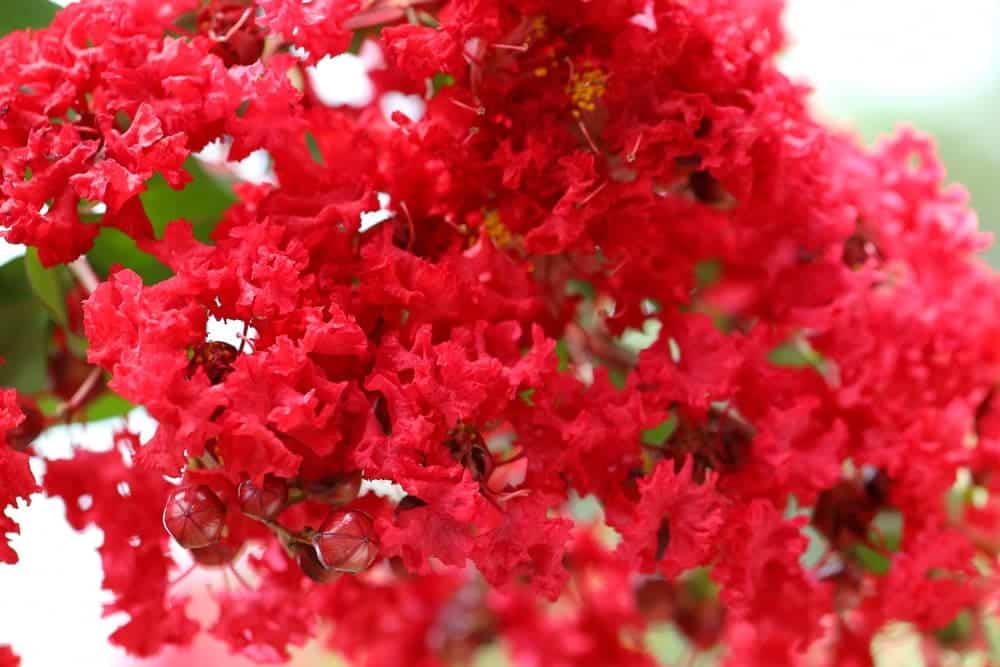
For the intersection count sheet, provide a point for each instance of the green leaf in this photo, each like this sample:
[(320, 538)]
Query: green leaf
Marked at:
[(439, 81), (796, 352), (582, 288), (107, 405), (24, 331), (20, 14), (427, 19), (700, 584), (991, 628), (49, 404), (562, 354), (357, 40), (957, 631), (14, 281), (872, 560), (660, 433), (112, 247), (707, 272), (666, 643), (888, 529), (202, 202), (49, 285), (314, 152)]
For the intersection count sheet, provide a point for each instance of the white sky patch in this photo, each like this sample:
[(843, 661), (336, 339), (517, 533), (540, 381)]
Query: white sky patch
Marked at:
[(56, 586), (372, 56), (383, 488), (231, 331), (254, 168), (51, 613), (341, 80), (861, 54), (370, 219), (9, 251), (411, 105)]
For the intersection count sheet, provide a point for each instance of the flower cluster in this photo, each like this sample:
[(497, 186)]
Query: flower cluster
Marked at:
[(618, 263)]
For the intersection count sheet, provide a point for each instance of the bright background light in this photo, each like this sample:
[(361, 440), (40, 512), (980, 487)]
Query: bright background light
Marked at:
[(873, 63), (861, 53)]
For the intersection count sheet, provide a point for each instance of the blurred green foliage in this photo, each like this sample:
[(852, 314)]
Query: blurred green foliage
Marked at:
[(18, 14), (24, 325), (968, 140)]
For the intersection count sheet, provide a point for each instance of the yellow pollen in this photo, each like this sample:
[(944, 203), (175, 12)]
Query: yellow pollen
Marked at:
[(586, 87), (493, 226), (541, 71), (538, 27)]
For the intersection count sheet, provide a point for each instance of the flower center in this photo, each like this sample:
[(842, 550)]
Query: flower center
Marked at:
[(586, 86)]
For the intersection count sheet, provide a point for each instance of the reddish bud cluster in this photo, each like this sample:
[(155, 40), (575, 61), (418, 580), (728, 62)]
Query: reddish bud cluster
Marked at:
[(264, 501), (195, 517), (33, 423), (346, 543), (619, 261)]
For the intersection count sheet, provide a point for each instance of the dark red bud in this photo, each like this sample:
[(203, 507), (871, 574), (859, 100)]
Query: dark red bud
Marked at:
[(336, 490), (662, 538), (21, 437), (381, 409), (653, 599), (409, 503), (876, 487), (216, 555), (706, 188), (194, 516), (215, 357), (312, 567), (479, 462), (347, 542), (265, 501), (858, 249), (468, 447)]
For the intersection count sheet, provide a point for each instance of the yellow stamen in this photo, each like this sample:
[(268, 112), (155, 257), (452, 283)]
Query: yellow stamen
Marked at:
[(586, 87), (539, 28), (493, 226)]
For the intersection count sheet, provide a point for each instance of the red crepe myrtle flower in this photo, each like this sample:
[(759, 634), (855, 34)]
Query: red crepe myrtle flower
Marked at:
[(8, 658), (676, 523), (16, 480), (611, 261)]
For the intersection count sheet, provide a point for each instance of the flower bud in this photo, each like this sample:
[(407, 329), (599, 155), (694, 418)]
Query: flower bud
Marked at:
[(312, 567), (265, 501), (337, 490), (216, 555), (347, 542), (194, 516), (21, 437)]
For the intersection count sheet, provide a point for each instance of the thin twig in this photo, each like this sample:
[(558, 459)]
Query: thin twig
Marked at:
[(76, 401), (84, 274), (233, 30)]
